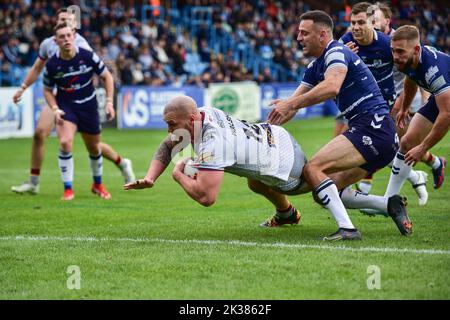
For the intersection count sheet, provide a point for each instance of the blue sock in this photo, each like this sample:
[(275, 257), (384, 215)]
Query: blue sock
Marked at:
[(67, 185)]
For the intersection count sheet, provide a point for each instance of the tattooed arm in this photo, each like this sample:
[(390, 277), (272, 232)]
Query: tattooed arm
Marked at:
[(159, 163)]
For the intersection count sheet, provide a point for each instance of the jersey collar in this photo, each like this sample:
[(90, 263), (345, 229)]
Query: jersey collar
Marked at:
[(59, 50), (375, 35), (329, 43)]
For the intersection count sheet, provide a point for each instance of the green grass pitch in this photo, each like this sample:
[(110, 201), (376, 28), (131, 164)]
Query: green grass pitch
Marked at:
[(160, 244)]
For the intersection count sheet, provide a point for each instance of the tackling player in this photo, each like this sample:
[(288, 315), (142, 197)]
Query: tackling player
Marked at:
[(374, 48), (369, 144)]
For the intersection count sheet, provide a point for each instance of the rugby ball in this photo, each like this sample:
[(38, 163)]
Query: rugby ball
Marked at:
[(189, 169)]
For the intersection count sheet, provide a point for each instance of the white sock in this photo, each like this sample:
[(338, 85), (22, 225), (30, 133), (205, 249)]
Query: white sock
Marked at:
[(96, 167), (391, 163), (413, 177), (328, 194), (436, 163), (121, 165), (400, 172), (353, 199), (65, 163), (365, 186), (34, 180)]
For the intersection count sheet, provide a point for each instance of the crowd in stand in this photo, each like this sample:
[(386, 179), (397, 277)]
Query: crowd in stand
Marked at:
[(156, 50)]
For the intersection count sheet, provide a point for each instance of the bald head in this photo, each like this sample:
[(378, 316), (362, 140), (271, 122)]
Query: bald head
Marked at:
[(181, 105), (181, 113)]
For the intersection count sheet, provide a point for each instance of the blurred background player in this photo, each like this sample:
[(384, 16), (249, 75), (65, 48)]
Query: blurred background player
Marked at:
[(45, 123), (75, 105), (426, 67), (374, 48), (370, 143)]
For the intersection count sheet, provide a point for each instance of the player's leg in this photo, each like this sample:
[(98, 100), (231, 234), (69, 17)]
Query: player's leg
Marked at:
[(43, 128), (66, 133), (340, 126), (417, 131), (436, 163), (417, 178), (92, 143), (338, 155), (125, 165), (354, 199), (285, 211)]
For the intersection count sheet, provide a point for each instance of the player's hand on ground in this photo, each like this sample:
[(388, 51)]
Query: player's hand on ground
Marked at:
[(415, 155), (110, 113), (18, 96), (403, 118), (58, 117), (281, 113), (139, 184), (352, 46)]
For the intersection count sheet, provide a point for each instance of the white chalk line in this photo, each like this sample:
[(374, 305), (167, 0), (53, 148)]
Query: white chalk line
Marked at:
[(231, 243)]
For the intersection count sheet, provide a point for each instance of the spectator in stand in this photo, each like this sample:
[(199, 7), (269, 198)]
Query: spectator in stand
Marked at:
[(245, 26)]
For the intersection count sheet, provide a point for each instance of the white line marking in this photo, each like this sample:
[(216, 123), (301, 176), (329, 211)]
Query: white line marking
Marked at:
[(230, 243)]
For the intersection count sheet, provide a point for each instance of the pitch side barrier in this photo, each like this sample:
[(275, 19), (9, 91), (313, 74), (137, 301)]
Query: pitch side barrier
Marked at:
[(141, 107)]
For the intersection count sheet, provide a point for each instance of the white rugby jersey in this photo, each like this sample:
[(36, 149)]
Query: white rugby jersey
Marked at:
[(49, 47), (260, 151)]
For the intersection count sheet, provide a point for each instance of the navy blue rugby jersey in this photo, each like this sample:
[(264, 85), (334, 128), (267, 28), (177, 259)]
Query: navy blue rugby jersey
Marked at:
[(359, 93), (432, 72), (378, 58), (73, 78)]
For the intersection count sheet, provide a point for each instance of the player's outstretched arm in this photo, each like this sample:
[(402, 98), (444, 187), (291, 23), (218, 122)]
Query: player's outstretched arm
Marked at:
[(204, 188), (154, 171), (160, 161), (30, 78), (284, 110), (438, 131), (328, 89)]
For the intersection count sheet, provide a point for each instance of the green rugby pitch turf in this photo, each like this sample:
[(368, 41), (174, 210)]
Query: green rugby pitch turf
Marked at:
[(159, 244)]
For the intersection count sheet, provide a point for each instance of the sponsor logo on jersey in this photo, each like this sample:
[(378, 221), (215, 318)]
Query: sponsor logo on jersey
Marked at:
[(231, 125), (430, 73), (367, 141)]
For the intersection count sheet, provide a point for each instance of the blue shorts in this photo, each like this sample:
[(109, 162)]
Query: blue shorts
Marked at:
[(430, 109), (374, 136), (85, 116)]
